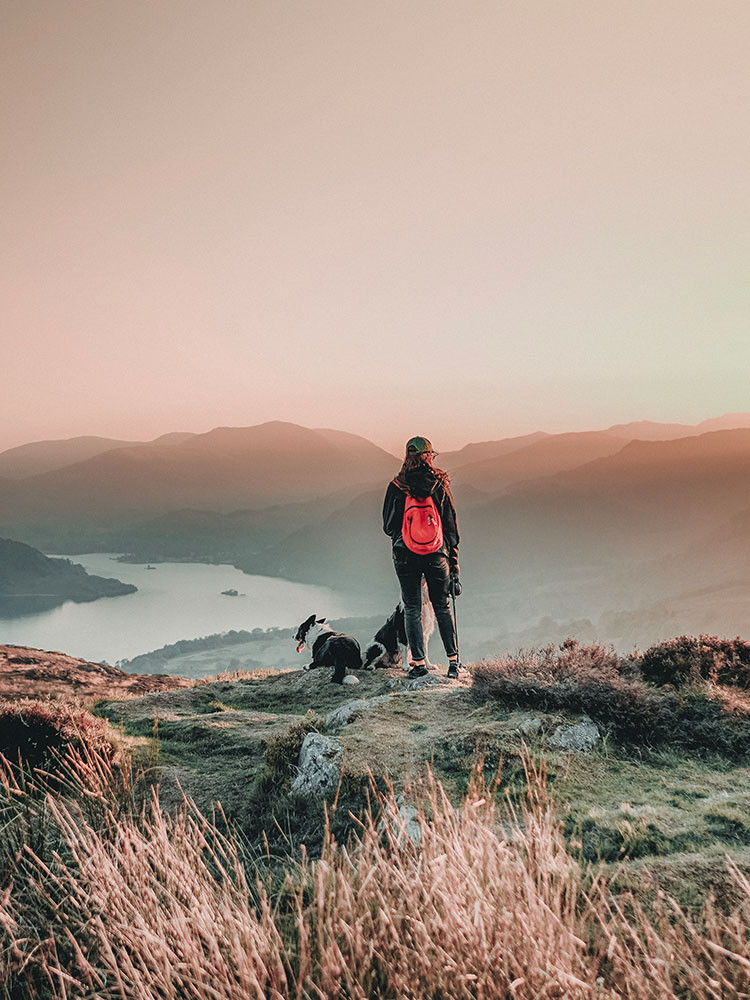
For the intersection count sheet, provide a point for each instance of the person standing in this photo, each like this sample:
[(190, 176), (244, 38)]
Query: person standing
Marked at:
[(420, 519)]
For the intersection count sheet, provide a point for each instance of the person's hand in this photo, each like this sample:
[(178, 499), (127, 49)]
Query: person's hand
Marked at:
[(456, 587)]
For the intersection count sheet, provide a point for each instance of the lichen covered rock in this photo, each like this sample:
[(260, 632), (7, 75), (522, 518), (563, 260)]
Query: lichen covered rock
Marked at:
[(582, 737), (318, 769), (349, 711)]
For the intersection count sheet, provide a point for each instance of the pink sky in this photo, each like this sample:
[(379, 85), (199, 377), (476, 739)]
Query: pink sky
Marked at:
[(465, 220)]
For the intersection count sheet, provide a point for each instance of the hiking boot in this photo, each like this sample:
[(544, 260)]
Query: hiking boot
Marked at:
[(417, 670), (453, 667)]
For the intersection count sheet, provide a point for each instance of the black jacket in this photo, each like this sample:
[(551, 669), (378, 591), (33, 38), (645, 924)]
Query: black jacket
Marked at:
[(422, 482)]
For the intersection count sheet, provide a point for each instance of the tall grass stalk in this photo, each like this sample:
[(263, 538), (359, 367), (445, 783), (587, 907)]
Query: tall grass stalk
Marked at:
[(441, 901)]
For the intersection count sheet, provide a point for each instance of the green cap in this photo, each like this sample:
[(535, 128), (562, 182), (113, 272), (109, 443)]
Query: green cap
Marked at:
[(418, 446)]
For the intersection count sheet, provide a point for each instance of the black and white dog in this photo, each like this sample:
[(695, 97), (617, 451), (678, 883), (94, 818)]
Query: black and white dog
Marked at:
[(389, 646), (329, 649)]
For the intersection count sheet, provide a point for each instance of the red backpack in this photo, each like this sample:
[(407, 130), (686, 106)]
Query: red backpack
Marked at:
[(422, 529)]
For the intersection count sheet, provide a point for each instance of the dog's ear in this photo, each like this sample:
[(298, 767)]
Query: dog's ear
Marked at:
[(308, 621), (322, 621)]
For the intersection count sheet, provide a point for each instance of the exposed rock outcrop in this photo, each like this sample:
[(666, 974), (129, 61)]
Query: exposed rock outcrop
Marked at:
[(318, 768), (582, 737), (346, 713)]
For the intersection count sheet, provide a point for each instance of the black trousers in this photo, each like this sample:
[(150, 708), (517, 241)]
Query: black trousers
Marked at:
[(410, 568)]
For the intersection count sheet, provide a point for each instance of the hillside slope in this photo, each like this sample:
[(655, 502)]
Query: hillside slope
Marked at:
[(25, 572), (39, 457), (227, 469), (38, 673), (545, 457)]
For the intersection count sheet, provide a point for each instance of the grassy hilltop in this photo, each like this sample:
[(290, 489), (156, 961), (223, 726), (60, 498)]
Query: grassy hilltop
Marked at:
[(478, 807), (667, 775)]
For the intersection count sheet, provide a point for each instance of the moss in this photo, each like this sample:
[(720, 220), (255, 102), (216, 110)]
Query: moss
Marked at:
[(215, 706)]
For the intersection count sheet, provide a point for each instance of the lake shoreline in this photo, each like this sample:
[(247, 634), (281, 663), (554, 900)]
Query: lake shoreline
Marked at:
[(178, 601)]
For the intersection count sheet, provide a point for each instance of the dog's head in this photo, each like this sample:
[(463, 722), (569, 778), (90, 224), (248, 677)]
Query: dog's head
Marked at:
[(307, 630)]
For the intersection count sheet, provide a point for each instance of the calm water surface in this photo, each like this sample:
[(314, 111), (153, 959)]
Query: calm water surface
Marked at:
[(174, 601)]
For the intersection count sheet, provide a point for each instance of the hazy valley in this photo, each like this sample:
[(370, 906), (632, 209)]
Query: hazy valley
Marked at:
[(626, 535)]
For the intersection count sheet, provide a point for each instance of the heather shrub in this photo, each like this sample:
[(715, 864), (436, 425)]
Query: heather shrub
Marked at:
[(595, 682), (38, 732), (691, 660)]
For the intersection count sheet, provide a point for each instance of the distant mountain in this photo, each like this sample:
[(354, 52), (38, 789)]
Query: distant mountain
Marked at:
[(688, 471), (667, 494), (217, 537), (173, 437), (729, 421), (46, 456), (543, 457), (27, 573), (651, 430), (226, 469), (717, 558), (552, 524), (547, 542), (481, 450), (347, 550)]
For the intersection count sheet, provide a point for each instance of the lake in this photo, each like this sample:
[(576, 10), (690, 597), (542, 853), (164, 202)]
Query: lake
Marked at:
[(174, 601)]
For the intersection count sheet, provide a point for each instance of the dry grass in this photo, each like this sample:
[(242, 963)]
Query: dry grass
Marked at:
[(468, 901)]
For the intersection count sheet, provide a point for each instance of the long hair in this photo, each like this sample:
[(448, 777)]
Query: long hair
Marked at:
[(425, 458)]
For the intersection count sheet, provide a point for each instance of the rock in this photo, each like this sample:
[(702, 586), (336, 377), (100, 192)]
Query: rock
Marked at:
[(347, 712), (404, 823), (582, 737), (418, 683), (318, 770), (350, 679)]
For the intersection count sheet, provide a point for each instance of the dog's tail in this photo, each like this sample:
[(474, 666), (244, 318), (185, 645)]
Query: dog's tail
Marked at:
[(372, 654)]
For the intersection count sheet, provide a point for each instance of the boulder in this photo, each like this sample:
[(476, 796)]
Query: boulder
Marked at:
[(582, 737), (318, 768)]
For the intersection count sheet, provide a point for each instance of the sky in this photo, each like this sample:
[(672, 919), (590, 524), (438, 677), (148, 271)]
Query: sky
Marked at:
[(464, 220)]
